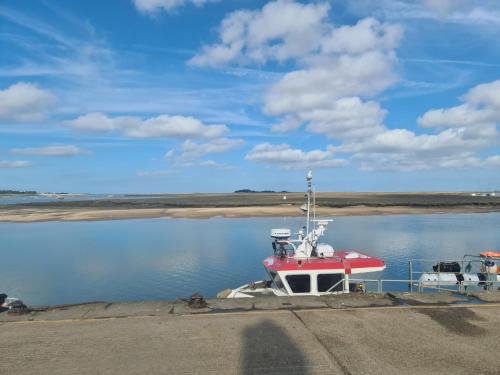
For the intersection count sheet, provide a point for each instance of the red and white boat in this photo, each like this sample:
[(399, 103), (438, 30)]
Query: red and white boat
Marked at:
[(304, 266)]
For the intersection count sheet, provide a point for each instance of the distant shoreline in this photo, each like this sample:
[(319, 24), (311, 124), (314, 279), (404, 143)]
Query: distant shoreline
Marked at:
[(242, 205), (42, 214)]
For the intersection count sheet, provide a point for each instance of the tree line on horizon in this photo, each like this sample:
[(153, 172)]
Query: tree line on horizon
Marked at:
[(17, 192), (259, 191)]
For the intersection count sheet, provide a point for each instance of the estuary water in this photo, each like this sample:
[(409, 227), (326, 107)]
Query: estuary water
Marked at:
[(151, 259), (10, 199)]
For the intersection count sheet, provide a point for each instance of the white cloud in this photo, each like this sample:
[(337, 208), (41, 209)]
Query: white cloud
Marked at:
[(288, 124), (403, 141), (477, 16), (163, 126), (441, 7), (339, 71), (288, 30), (204, 164), (192, 150), (401, 149), (367, 35), (315, 88), (339, 66), (405, 163), (53, 150), (463, 11), (281, 30), (481, 107), (486, 94), (169, 154), (216, 165), (14, 164), (461, 133), (493, 161), (152, 6), (347, 118), (462, 115), (190, 153), (95, 122), (158, 173), (24, 102), (286, 157), (467, 12)]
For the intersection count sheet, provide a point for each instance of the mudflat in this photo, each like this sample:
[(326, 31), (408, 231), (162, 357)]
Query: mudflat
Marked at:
[(237, 205)]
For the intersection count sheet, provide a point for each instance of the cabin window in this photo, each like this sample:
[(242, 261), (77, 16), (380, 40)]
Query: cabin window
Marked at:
[(326, 281), (299, 283)]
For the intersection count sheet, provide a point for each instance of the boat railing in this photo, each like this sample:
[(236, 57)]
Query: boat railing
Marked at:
[(382, 285), (293, 259), (378, 283), (418, 267)]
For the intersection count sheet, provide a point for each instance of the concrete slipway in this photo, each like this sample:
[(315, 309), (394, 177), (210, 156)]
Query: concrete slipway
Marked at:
[(374, 334)]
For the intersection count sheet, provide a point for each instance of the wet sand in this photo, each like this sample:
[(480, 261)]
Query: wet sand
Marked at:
[(38, 214), (236, 205)]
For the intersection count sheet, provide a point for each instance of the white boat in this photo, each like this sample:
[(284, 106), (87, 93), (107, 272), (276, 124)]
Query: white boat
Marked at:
[(461, 273), (304, 266)]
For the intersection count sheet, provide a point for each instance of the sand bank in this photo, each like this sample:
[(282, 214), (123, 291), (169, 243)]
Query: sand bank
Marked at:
[(37, 214)]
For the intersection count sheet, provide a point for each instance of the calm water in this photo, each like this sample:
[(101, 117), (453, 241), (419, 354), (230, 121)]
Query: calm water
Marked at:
[(53, 263), (36, 198), (6, 199)]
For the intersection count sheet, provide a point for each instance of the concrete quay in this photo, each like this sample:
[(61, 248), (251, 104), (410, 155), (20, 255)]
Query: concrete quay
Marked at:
[(402, 333)]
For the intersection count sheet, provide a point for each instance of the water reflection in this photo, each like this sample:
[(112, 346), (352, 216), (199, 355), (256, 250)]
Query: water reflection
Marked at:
[(50, 263)]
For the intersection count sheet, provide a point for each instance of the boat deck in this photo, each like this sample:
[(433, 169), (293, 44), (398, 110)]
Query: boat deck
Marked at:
[(351, 261)]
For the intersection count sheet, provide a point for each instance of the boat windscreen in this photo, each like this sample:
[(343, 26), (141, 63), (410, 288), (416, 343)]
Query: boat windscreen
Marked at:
[(283, 249), (276, 280)]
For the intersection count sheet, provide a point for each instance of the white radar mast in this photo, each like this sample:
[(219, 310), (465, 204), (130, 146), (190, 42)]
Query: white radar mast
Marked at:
[(309, 191)]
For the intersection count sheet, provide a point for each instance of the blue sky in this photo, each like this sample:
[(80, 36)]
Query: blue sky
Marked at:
[(137, 96)]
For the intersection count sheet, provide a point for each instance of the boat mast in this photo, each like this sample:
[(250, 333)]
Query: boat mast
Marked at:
[(309, 190)]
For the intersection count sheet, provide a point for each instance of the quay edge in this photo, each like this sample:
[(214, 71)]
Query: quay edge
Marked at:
[(103, 310), (345, 334)]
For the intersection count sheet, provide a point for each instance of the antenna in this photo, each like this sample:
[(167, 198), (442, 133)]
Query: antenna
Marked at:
[(314, 204), (309, 190)]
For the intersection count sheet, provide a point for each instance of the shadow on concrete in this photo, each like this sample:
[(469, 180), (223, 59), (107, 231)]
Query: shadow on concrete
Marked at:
[(267, 349), (456, 320)]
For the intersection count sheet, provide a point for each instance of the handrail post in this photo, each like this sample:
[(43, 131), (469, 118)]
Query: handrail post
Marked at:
[(439, 275), (410, 271)]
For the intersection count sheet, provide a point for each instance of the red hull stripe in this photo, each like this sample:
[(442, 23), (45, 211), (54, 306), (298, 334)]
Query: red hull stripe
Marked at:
[(337, 263)]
